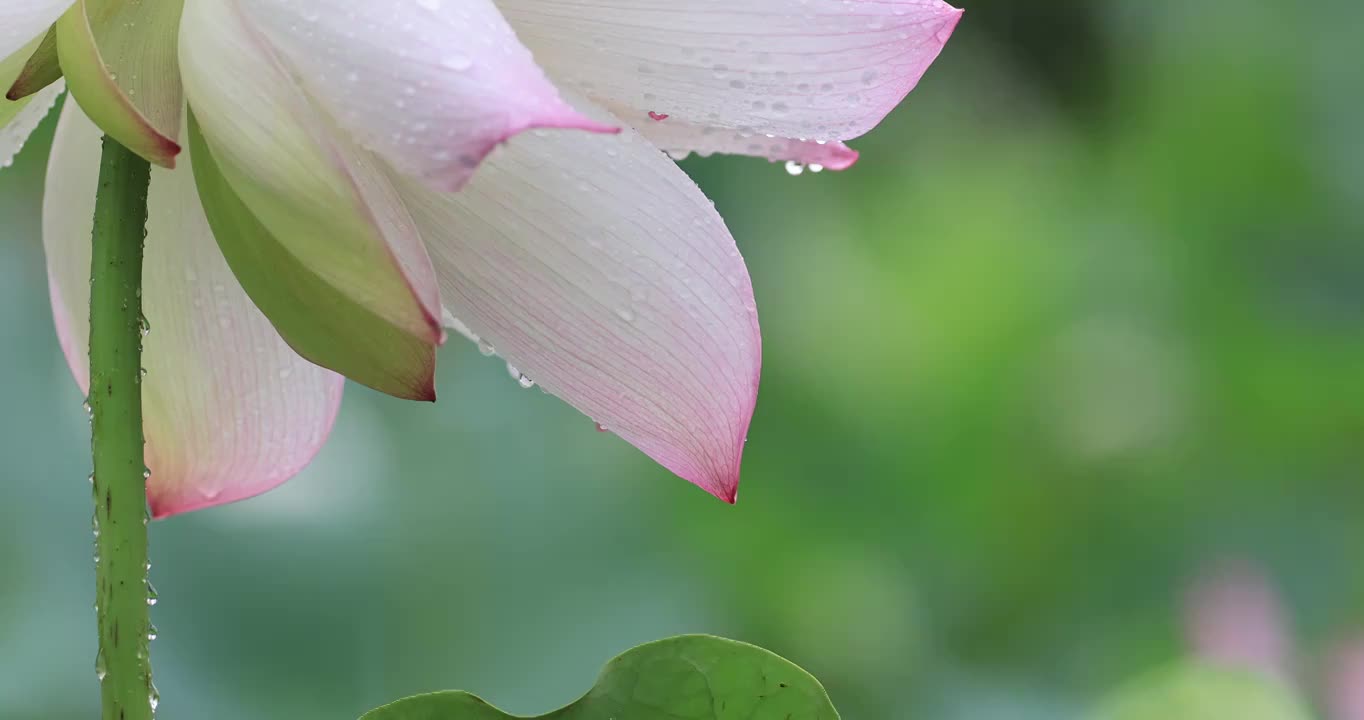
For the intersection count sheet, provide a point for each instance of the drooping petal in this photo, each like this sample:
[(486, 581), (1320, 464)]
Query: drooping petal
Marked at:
[(230, 411), (432, 87), (312, 229), (798, 69), (18, 118), (596, 266), (23, 20), (119, 60)]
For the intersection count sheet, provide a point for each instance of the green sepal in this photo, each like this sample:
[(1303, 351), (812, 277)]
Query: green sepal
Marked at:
[(41, 70), (318, 321), (120, 62), (697, 677), (10, 68)]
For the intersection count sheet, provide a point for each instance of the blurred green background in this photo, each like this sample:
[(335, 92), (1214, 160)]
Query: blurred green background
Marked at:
[(1087, 319)]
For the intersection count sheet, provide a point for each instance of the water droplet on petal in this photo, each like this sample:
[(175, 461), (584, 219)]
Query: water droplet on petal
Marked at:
[(521, 379), (794, 168)]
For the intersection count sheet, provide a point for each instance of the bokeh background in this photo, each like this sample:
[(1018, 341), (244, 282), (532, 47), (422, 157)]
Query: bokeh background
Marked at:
[(1063, 383)]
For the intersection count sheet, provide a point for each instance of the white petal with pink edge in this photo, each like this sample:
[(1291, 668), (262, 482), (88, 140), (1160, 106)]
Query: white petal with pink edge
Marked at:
[(230, 411), (799, 69), (430, 86), (596, 266), (23, 20)]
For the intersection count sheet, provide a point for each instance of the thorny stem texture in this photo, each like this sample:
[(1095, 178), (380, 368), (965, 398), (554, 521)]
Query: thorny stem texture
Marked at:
[(115, 401)]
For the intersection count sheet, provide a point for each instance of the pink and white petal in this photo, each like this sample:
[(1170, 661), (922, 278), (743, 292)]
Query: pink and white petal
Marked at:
[(596, 266), (816, 69), (230, 410), (27, 114), (23, 20), (680, 139), (432, 87)]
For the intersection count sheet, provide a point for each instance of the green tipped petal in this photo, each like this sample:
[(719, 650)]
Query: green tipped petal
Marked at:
[(19, 117), (10, 68), (692, 676), (319, 320), (311, 226), (41, 70), (119, 59)]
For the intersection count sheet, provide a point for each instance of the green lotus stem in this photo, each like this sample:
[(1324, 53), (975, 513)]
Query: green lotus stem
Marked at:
[(115, 402)]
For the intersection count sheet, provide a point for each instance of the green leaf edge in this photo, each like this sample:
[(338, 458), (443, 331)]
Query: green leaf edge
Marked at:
[(604, 676), (99, 95)]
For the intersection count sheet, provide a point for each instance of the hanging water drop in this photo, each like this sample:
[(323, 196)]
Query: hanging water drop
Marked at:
[(486, 348), (143, 326), (794, 168), (151, 595), (101, 666)]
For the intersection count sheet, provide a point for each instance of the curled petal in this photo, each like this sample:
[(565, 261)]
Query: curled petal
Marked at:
[(119, 60), (432, 87), (230, 411), (599, 270), (815, 69)]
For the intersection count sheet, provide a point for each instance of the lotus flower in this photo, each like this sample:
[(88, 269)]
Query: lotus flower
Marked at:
[(340, 180)]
